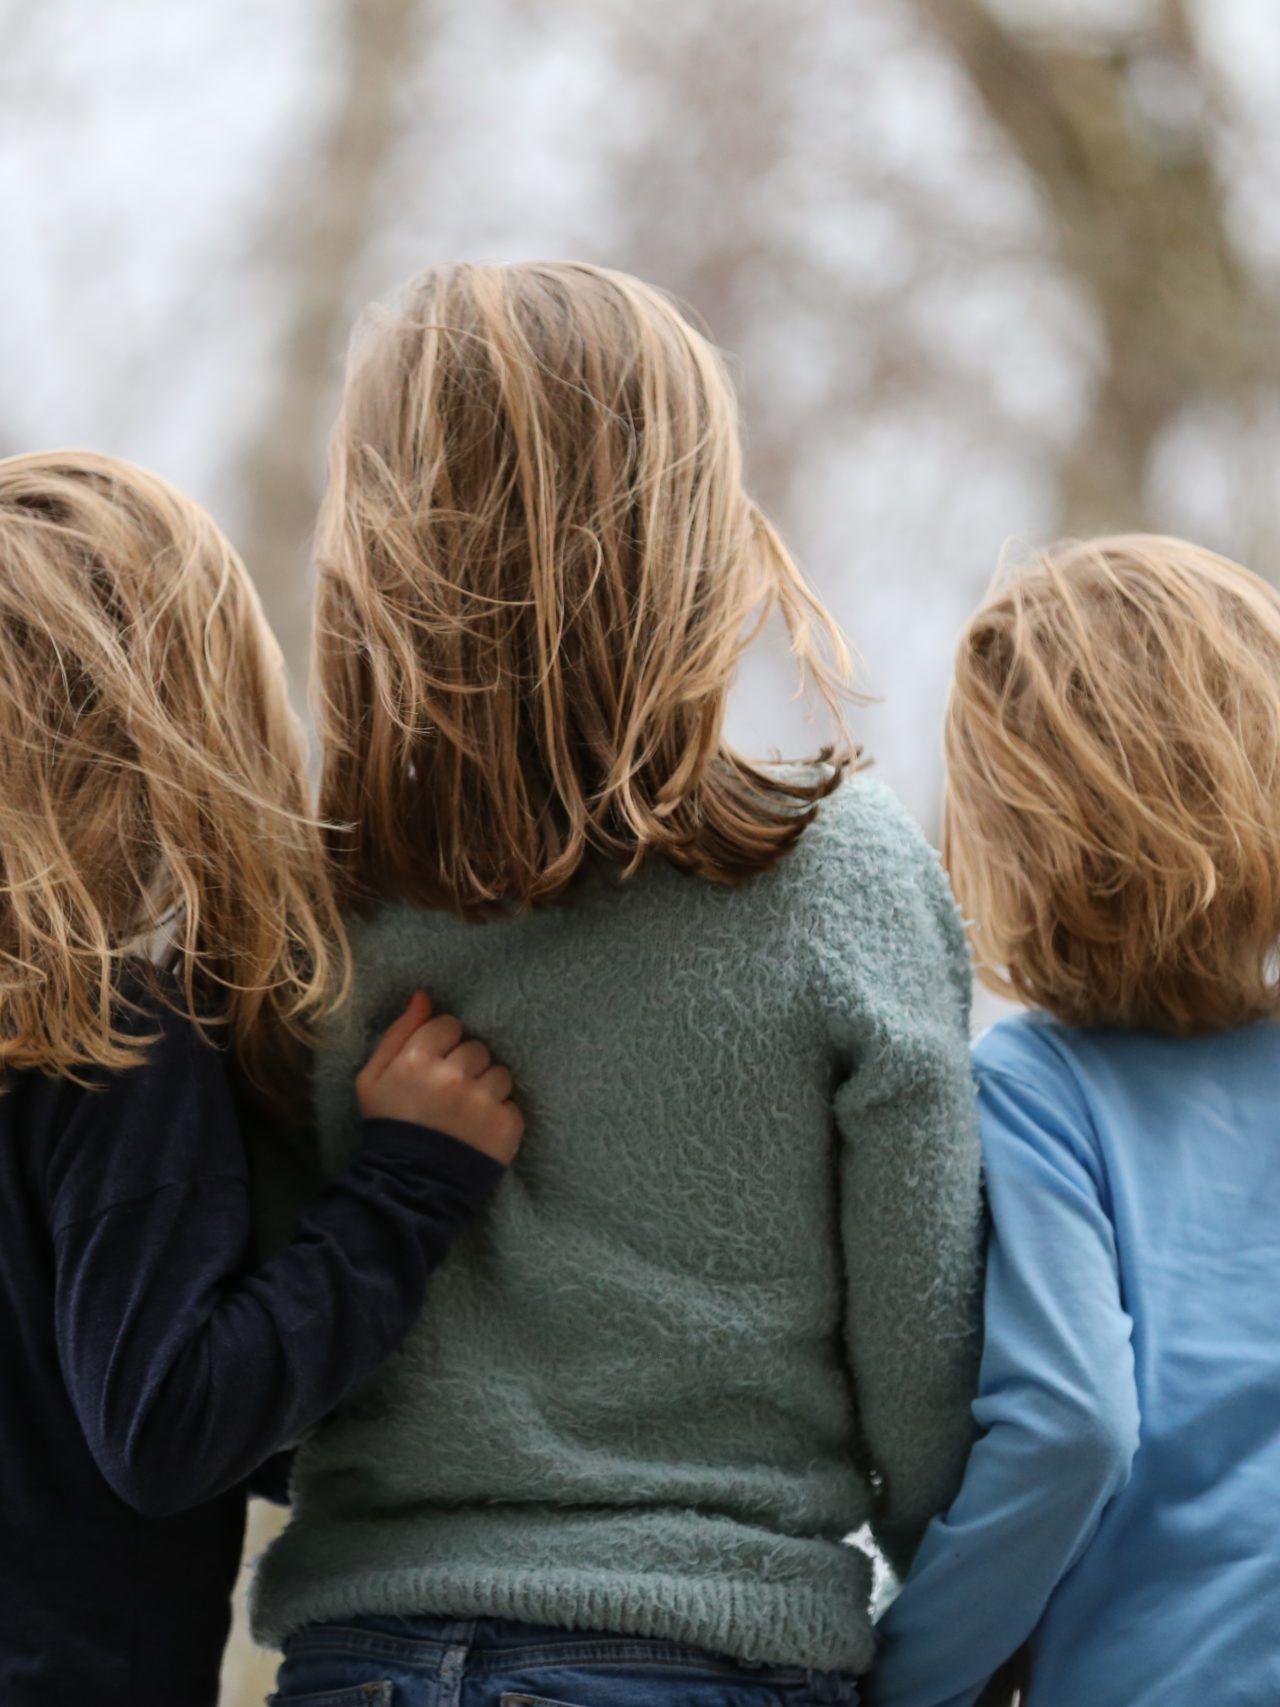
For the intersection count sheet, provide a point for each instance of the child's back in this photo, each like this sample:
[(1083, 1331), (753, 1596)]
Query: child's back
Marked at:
[(1165, 1170), (150, 1365), (633, 1402), (734, 1286), (1113, 831), (93, 1588)]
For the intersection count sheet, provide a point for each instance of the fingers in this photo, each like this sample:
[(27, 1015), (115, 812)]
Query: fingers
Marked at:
[(512, 1119), (497, 1083), (472, 1058), (439, 1036), (397, 1034), (425, 1073)]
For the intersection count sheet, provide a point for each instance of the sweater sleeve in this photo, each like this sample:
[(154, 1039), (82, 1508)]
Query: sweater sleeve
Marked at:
[(909, 1168), (187, 1367), (1058, 1407)]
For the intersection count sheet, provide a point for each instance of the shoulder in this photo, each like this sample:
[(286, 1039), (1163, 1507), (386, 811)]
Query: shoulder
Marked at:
[(862, 827), (861, 887), (125, 1133), (1032, 1091), (152, 1010), (869, 846), (880, 886), (864, 848), (1031, 1048), (883, 939)]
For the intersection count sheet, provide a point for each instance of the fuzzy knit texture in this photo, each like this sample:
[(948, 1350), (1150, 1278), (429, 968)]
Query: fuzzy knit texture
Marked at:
[(724, 1309)]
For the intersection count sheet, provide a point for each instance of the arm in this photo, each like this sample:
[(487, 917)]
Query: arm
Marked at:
[(912, 1217), (1058, 1408), (186, 1371)]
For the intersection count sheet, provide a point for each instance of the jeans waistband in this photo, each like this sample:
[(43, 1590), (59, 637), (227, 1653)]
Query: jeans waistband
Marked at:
[(493, 1644)]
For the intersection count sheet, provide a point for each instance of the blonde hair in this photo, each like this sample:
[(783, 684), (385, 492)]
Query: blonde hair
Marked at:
[(152, 795), (538, 569), (1113, 791)]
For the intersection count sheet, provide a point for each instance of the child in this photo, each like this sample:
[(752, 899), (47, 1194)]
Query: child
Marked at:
[(725, 1312), (151, 788), (1113, 828)]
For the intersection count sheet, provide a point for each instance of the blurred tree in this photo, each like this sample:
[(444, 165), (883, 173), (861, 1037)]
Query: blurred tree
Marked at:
[(1116, 131), (743, 191), (331, 215), (698, 197)]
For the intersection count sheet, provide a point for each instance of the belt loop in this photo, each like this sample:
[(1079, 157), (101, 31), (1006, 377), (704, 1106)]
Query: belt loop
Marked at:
[(827, 1687), (453, 1663)]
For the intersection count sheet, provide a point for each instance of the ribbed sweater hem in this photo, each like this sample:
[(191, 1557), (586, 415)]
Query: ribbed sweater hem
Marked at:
[(757, 1622)]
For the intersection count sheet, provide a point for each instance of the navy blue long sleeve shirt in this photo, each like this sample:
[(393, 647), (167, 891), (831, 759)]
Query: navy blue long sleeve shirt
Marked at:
[(147, 1367)]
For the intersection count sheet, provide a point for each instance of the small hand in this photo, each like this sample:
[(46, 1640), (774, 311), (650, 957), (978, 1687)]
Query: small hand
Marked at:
[(422, 1071)]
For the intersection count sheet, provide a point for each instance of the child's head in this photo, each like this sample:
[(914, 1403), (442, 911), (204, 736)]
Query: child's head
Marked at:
[(152, 793), (538, 569), (1113, 797)]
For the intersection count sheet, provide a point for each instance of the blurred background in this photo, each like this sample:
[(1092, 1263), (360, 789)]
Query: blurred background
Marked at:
[(986, 269)]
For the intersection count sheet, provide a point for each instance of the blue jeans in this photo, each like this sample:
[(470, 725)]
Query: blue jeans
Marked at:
[(487, 1662)]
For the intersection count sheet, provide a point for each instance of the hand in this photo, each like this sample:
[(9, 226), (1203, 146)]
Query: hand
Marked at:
[(422, 1071)]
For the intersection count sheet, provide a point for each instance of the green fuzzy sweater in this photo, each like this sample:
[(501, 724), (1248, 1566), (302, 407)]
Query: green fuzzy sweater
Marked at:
[(724, 1309)]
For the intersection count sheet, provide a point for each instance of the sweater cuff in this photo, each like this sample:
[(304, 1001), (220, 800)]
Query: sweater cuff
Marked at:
[(422, 1152)]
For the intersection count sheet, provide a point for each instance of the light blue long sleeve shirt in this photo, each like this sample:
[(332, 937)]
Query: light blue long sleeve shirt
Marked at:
[(1121, 1508)]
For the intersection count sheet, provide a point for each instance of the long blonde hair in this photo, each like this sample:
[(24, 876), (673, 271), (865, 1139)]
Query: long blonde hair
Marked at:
[(538, 569), (1113, 789), (152, 791)]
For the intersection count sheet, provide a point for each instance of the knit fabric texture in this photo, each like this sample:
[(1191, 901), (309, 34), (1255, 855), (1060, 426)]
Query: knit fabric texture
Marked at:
[(724, 1309)]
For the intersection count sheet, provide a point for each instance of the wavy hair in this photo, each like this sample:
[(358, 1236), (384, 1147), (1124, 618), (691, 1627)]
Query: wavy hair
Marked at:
[(153, 803), (1113, 791), (538, 570)]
